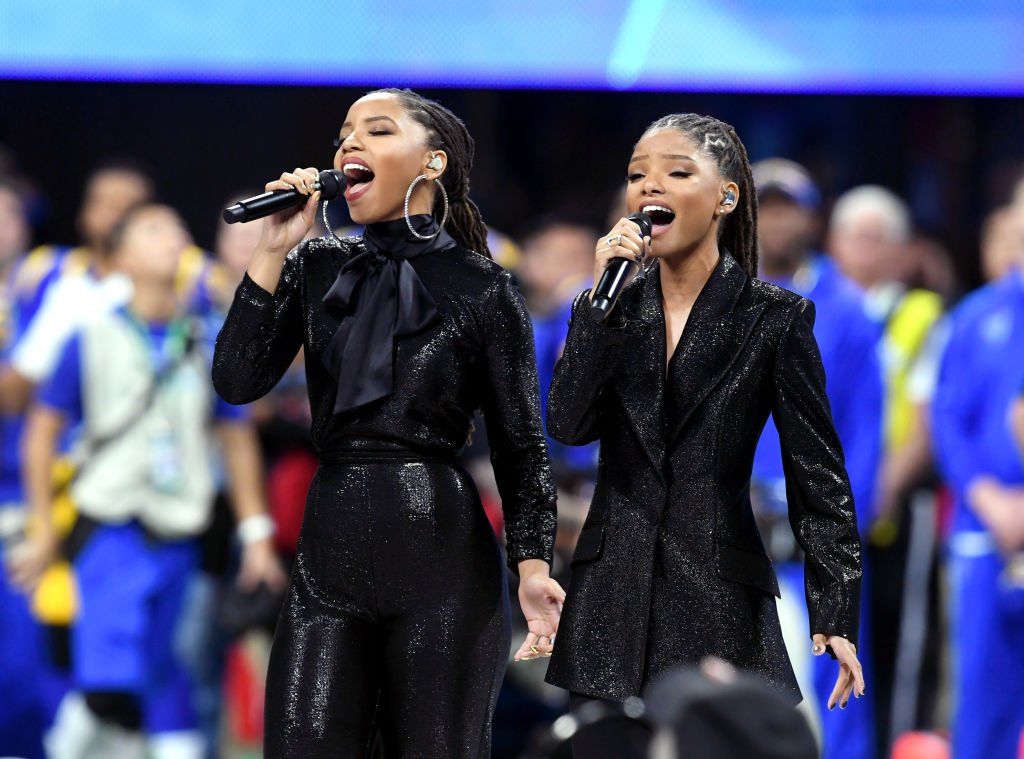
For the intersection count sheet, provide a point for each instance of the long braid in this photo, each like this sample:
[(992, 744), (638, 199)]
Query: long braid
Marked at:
[(738, 231), (445, 131)]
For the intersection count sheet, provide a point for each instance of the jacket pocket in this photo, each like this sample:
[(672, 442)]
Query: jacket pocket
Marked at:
[(590, 544), (747, 567)]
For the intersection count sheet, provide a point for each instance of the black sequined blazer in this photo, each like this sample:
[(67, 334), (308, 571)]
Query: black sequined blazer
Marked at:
[(670, 567)]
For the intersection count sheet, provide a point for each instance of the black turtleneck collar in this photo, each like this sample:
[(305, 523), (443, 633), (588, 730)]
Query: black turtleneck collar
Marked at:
[(393, 239)]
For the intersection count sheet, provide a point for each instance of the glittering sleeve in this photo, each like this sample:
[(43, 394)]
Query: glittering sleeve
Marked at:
[(511, 410), (260, 337), (581, 375), (821, 507)]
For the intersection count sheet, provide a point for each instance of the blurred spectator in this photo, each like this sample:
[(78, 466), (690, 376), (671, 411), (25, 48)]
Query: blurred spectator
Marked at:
[(110, 190), (788, 203), (137, 377), (933, 266), (58, 288), (869, 236), (980, 378), (557, 264), (30, 687), (1002, 237)]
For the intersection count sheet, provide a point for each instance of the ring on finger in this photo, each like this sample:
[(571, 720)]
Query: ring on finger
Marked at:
[(614, 240)]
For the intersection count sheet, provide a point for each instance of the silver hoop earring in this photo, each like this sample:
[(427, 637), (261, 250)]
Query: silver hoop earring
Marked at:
[(444, 216), (327, 225)]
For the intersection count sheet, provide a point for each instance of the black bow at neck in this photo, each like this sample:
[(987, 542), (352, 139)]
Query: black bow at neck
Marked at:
[(385, 300)]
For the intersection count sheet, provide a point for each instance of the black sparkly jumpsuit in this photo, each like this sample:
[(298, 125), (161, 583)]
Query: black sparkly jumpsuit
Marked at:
[(396, 621)]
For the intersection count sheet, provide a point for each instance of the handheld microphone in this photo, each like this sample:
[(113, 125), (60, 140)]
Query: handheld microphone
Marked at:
[(330, 183), (613, 281)]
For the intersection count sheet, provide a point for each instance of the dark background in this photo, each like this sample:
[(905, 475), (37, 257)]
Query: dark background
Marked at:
[(538, 152)]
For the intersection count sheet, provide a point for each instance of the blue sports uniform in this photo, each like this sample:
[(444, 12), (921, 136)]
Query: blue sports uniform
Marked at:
[(549, 334), (848, 341), (981, 373)]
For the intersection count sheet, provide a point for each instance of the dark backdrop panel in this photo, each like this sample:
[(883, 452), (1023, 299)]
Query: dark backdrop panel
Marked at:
[(538, 152)]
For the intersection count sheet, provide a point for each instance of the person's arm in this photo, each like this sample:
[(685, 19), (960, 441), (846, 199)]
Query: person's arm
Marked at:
[(260, 336), (60, 400), (263, 329), (519, 457), (820, 499), (1017, 421), (15, 390), (581, 376), (37, 349), (43, 429), (244, 463)]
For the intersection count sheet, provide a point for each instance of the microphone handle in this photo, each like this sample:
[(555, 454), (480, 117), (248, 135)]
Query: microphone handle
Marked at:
[(610, 286), (269, 203)]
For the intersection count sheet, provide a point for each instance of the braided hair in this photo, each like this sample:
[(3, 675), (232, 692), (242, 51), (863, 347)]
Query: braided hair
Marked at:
[(445, 131), (738, 231)]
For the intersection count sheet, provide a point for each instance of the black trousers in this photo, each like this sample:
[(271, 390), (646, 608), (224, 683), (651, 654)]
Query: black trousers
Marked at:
[(611, 738), (396, 624)]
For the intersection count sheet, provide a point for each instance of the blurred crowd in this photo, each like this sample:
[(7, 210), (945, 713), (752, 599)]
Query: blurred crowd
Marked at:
[(925, 381)]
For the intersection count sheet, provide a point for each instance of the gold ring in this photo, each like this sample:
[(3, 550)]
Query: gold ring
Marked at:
[(535, 650)]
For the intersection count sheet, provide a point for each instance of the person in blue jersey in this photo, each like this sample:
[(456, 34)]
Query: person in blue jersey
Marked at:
[(557, 263), (110, 190), (29, 683), (138, 379), (980, 377), (788, 202)]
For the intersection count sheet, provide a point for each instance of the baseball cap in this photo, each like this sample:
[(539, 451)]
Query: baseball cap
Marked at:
[(787, 178)]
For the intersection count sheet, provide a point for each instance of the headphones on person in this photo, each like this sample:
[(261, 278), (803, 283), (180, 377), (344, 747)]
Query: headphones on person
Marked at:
[(435, 163), (729, 199)]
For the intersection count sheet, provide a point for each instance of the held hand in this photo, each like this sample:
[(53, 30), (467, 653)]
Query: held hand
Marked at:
[(623, 241), (28, 561), (851, 676), (283, 231), (261, 565), (541, 598)]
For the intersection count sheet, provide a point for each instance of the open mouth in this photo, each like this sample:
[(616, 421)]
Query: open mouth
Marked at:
[(661, 217), (358, 176)]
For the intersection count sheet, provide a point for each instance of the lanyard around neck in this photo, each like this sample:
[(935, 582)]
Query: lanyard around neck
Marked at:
[(165, 353)]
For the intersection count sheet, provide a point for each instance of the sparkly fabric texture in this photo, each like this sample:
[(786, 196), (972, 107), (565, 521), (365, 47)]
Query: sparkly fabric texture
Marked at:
[(670, 567), (396, 619), (479, 356), (398, 597)]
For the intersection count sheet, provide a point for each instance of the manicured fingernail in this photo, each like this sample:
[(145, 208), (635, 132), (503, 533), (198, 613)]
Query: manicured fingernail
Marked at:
[(832, 707)]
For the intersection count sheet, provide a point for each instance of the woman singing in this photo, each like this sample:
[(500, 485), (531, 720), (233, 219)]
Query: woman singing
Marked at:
[(396, 622), (677, 384)]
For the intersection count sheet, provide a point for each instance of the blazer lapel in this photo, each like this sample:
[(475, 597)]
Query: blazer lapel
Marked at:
[(642, 391), (714, 336)]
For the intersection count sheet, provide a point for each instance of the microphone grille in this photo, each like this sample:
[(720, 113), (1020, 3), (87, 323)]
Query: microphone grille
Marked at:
[(332, 182), (643, 221)]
